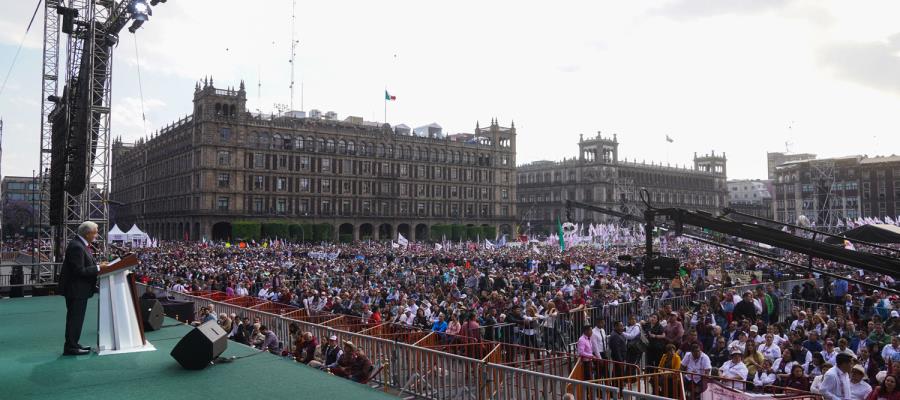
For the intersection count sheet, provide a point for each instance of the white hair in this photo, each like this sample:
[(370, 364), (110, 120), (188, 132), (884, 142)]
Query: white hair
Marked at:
[(86, 227)]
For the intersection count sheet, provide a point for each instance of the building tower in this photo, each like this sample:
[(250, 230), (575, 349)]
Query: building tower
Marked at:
[(599, 149)]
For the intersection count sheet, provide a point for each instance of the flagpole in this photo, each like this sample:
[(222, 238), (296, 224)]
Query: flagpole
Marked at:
[(385, 104)]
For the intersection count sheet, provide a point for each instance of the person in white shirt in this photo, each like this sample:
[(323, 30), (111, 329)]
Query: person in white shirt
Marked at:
[(836, 382), (695, 362), (799, 322), (891, 351), (783, 365), (816, 385), (734, 369), (765, 376), (769, 349), (829, 353), (859, 389), (241, 291), (598, 339)]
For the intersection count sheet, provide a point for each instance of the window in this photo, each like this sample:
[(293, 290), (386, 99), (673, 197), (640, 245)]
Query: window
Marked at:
[(282, 162), (281, 184), (504, 194), (281, 206), (259, 160), (326, 185), (303, 206), (224, 134), (304, 185), (504, 211), (224, 157), (258, 204), (366, 207), (366, 188), (304, 163), (326, 165), (222, 204), (404, 170), (420, 209), (258, 182), (326, 207), (224, 180), (345, 187)]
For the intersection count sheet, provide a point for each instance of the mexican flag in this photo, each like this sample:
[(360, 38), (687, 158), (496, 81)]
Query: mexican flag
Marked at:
[(387, 96), (562, 241)]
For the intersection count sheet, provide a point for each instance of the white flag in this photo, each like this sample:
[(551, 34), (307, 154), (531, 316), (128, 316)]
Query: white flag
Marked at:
[(438, 247), (394, 245), (488, 244), (402, 240)]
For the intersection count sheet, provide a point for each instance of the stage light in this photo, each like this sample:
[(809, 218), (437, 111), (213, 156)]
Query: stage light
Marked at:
[(135, 25), (155, 2), (140, 10)]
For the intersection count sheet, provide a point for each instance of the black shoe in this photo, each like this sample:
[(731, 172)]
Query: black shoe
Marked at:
[(88, 348), (75, 352)]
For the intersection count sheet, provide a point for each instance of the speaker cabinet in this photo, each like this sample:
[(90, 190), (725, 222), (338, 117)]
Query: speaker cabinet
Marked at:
[(200, 346), (152, 314)]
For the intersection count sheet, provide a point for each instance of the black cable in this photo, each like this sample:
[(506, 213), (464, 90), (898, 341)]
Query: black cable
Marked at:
[(16, 57)]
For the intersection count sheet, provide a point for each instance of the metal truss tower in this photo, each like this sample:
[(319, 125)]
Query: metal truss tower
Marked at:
[(49, 87), (822, 175)]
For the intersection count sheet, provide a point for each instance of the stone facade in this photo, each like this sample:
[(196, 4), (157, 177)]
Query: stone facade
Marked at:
[(599, 177), (849, 187), (222, 164)]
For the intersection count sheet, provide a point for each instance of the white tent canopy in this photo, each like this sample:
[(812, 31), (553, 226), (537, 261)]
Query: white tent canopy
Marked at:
[(137, 237), (116, 235)]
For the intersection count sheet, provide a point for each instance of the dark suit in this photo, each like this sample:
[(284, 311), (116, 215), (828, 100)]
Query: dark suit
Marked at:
[(77, 280)]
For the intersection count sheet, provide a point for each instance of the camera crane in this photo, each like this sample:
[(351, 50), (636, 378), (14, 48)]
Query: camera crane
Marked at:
[(676, 218)]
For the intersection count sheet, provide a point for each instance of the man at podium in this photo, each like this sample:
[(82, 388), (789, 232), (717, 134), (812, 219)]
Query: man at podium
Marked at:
[(77, 280)]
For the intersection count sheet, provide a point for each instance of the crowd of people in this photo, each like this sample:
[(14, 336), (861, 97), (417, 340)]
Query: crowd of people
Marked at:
[(767, 336)]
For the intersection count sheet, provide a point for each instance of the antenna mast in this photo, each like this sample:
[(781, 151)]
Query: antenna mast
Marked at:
[(293, 48)]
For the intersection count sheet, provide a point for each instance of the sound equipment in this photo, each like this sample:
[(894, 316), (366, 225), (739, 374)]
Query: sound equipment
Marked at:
[(152, 314), (661, 268), (200, 346)]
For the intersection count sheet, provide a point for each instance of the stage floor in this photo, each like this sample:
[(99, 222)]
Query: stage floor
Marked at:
[(32, 367)]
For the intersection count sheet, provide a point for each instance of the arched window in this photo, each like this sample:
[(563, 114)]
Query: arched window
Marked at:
[(218, 109), (362, 148), (329, 146), (287, 142), (370, 149), (380, 150), (310, 144), (298, 142), (231, 110), (342, 146), (351, 147), (276, 141), (265, 141), (320, 144), (390, 151)]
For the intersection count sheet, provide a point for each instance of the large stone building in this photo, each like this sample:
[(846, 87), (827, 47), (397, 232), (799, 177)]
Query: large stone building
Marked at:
[(774, 159), (600, 178), (751, 196), (21, 202), (221, 164), (825, 190)]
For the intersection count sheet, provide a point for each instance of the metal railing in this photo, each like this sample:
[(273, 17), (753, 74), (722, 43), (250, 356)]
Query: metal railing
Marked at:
[(427, 368), (23, 275)]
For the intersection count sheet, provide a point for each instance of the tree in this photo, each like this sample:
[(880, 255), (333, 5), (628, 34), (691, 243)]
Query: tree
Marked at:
[(18, 216)]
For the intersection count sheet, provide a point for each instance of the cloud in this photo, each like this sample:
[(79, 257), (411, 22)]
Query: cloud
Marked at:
[(689, 9), (128, 120), (568, 68), (872, 64)]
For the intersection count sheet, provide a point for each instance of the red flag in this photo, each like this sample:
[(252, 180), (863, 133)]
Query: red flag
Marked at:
[(468, 265)]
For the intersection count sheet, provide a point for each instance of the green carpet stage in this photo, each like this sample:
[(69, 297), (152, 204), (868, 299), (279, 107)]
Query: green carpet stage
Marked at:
[(32, 367)]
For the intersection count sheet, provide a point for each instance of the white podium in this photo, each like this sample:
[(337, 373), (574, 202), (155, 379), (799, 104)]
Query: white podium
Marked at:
[(120, 326)]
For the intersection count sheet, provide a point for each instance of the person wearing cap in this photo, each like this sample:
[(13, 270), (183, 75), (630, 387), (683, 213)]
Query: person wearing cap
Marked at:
[(836, 382), (859, 388), (305, 350), (331, 353), (734, 369)]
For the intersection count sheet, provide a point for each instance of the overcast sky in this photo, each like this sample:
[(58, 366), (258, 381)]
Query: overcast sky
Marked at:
[(738, 76)]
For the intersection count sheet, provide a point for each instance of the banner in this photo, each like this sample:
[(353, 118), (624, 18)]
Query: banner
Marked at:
[(715, 391), (323, 255)]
